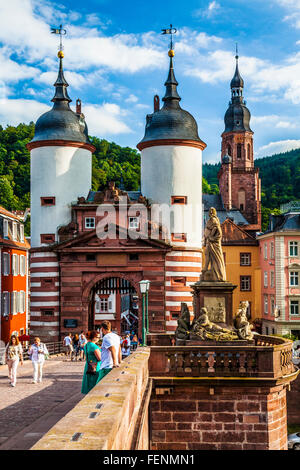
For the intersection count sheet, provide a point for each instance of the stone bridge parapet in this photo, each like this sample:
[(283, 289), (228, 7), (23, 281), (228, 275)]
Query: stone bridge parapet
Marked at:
[(113, 416)]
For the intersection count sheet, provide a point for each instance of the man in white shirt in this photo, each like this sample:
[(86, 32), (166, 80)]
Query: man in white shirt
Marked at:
[(68, 345), (110, 349)]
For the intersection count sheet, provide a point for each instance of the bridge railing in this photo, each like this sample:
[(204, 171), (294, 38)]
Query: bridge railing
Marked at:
[(270, 357), (53, 348)]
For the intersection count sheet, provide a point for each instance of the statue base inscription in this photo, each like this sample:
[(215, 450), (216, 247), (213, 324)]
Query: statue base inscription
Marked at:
[(216, 297)]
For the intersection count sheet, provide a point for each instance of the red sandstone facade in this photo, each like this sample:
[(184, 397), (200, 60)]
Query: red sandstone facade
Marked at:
[(238, 179)]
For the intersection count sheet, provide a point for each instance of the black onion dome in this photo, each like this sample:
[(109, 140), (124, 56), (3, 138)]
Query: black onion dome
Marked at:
[(237, 118), (61, 123), (237, 81), (171, 121)]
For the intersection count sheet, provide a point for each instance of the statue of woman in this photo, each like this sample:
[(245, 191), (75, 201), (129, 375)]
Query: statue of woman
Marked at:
[(213, 249)]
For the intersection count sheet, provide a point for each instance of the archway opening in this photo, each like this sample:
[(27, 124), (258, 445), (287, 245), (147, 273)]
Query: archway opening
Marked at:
[(114, 299)]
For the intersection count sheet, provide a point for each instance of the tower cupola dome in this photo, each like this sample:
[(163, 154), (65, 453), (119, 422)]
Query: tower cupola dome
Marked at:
[(61, 123), (237, 117), (171, 122)]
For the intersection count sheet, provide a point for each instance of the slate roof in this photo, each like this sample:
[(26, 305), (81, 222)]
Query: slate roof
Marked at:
[(171, 121), (61, 123), (284, 222), (215, 200)]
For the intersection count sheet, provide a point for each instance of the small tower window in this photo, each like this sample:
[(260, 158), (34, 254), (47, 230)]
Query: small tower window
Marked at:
[(249, 152), (178, 199), (47, 238), (229, 150), (239, 151), (47, 201)]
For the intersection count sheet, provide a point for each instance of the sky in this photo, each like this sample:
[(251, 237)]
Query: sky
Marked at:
[(116, 61)]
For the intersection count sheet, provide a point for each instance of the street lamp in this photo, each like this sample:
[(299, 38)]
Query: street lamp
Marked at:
[(144, 288)]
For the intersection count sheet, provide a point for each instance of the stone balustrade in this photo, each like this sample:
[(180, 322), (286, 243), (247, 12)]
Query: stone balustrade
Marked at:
[(270, 358), (113, 415)]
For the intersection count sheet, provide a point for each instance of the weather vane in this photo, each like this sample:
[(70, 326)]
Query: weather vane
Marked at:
[(171, 31), (62, 32)]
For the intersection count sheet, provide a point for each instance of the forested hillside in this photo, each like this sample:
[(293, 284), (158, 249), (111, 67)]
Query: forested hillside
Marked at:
[(280, 174), (280, 177), (110, 163)]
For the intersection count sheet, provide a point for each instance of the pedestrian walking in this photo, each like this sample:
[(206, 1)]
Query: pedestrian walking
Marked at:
[(68, 345), (110, 349), (75, 353), (125, 344), (91, 374), (13, 355), (38, 352), (82, 343), (134, 342)]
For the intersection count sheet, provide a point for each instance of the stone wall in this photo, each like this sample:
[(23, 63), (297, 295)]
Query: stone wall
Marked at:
[(112, 416), (293, 402), (194, 417)]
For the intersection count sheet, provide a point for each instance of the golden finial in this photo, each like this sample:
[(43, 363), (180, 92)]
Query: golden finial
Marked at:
[(171, 53), (62, 32)]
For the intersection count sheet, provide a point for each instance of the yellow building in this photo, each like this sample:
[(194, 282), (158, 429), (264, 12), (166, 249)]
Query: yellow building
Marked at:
[(242, 261)]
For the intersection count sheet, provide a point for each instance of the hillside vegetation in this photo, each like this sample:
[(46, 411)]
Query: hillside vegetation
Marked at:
[(280, 174)]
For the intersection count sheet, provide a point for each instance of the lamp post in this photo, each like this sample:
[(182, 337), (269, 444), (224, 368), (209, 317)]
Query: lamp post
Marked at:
[(144, 287)]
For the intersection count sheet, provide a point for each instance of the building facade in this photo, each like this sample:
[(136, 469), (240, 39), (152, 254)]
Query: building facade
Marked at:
[(14, 276), (80, 276), (280, 273)]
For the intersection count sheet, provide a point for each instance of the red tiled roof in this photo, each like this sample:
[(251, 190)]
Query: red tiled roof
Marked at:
[(232, 233), (8, 213), (14, 244)]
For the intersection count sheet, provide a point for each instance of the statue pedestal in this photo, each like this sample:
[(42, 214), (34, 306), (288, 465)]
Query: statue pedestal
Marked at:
[(216, 296)]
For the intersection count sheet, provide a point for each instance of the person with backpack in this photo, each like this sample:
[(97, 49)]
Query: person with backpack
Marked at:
[(91, 374), (38, 352)]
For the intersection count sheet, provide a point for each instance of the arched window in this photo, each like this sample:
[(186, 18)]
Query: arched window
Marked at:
[(241, 199), (249, 152), (239, 150), (229, 150)]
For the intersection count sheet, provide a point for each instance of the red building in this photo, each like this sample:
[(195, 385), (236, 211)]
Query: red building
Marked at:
[(14, 275)]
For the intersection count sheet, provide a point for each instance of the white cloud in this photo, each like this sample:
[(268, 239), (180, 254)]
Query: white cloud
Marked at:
[(131, 99), (212, 9), (84, 47), (105, 120), (14, 111), (293, 9), (272, 120), (277, 147)]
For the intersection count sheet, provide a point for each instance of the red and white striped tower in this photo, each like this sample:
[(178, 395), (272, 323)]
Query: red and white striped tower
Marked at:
[(171, 175), (61, 168)]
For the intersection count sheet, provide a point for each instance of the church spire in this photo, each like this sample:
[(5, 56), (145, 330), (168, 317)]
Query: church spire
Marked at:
[(61, 83), (171, 97), (237, 83)]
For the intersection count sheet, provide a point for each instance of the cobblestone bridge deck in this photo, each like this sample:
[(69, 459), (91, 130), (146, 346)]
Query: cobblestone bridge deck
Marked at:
[(29, 410)]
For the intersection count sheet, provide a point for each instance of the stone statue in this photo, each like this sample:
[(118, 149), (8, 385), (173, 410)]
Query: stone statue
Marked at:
[(241, 323), (213, 250), (183, 323), (205, 329)]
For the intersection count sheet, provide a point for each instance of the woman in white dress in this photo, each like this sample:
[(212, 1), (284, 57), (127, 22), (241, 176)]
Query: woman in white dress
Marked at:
[(13, 355), (37, 353)]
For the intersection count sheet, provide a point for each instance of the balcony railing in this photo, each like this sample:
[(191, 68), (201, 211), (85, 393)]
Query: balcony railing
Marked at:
[(270, 357)]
